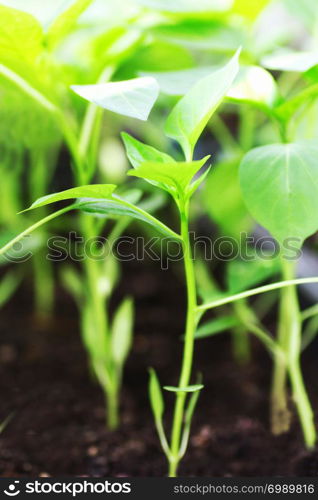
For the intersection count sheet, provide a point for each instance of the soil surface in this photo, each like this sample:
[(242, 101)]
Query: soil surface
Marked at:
[(57, 424)]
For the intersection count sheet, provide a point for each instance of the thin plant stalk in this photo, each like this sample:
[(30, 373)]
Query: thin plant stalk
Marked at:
[(191, 322)]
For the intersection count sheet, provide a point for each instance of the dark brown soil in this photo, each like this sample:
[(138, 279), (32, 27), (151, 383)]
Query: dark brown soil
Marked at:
[(57, 425)]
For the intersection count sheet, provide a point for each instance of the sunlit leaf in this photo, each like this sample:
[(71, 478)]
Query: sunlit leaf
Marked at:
[(139, 153), (90, 191), (249, 9), (287, 60), (133, 98), (191, 114), (255, 85), (173, 176), (64, 23), (21, 36), (280, 188)]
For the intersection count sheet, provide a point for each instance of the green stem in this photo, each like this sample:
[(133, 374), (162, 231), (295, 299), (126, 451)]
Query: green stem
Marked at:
[(292, 340), (188, 346), (254, 291), (280, 414)]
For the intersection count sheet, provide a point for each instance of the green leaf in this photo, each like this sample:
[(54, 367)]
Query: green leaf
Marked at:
[(121, 332), (155, 395), (189, 388), (175, 177), (8, 285), (187, 6), (90, 191), (21, 36), (64, 23), (288, 60), (120, 207), (134, 98), (191, 114), (139, 153), (254, 85), (280, 187), (215, 326), (244, 274), (180, 82)]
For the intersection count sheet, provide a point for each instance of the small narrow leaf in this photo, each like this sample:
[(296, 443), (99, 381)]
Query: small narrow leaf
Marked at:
[(121, 332), (191, 114), (134, 98), (215, 326), (189, 388), (90, 191), (155, 395), (280, 188)]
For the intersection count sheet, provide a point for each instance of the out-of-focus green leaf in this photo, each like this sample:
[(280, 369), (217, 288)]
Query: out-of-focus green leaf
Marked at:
[(133, 98), (187, 6), (306, 11), (222, 199), (191, 114), (64, 23), (121, 333), (286, 110), (21, 36), (8, 285), (254, 85), (288, 60), (249, 9), (189, 388), (243, 274), (155, 395), (280, 188), (216, 326)]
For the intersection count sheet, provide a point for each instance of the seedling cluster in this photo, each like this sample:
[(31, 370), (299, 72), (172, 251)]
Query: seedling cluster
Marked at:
[(264, 173)]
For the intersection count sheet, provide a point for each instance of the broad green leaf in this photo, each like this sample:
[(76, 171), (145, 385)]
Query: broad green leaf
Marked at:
[(21, 36), (189, 388), (215, 326), (280, 187), (174, 176), (244, 274), (223, 202), (121, 332), (134, 98), (155, 395), (191, 114), (90, 191), (288, 60), (64, 23), (187, 6), (139, 153), (254, 85)]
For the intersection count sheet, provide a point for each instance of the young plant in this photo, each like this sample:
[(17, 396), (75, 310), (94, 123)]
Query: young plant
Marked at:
[(185, 124)]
